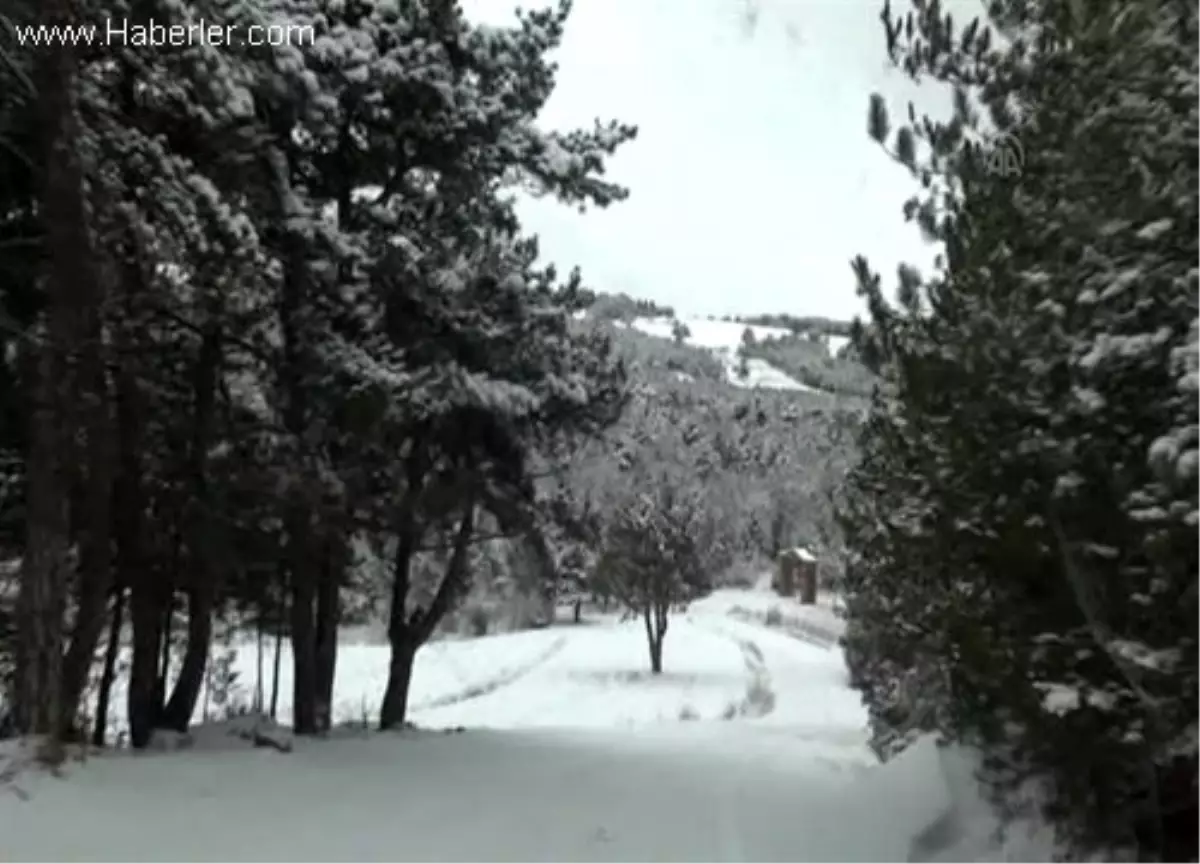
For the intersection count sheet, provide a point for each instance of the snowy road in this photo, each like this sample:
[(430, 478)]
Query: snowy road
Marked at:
[(749, 748), (480, 795)]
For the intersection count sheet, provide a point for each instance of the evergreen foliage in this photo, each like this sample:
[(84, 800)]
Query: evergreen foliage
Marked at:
[(1021, 525)]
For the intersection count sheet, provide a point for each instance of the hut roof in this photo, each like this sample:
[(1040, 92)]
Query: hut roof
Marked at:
[(798, 552)]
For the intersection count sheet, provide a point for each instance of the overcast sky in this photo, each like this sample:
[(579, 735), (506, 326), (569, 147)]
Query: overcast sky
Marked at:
[(753, 181)]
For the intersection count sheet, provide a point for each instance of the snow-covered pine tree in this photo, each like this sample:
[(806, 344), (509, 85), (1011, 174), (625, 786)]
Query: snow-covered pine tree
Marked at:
[(327, 273), (459, 357), (1021, 527)]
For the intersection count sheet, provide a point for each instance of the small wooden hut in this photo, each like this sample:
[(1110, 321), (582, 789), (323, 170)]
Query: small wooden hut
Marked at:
[(797, 575)]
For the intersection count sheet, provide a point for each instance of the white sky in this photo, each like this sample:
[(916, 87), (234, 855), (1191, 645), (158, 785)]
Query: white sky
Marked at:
[(753, 180)]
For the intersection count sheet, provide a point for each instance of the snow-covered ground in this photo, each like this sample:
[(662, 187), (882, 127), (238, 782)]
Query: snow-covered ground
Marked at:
[(722, 338), (819, 624), (837, 343), (706, 333), (750, 747)]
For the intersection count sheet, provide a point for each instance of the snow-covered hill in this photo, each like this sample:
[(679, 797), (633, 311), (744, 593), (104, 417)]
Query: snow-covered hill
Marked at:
[(722, 339)]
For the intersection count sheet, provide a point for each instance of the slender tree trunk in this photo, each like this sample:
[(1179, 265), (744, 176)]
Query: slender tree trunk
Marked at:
[(204, 711), (328, 613), (134, 565), (304, 632), (654, 615), (280, 626), (135, 573), (394, 710), (395, 696), (95, 573), (407, 636), (145, 604), (181, 706), (145, 704), (74, 294), (259, 647), (277, 662), (201, 576), (42, 592), (111, 654), (165, 645), (294, 310)]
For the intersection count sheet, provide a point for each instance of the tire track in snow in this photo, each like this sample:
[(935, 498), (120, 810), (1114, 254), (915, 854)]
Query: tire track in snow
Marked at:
[(760, 697), (759, 700), (491, 685), (793, 627)]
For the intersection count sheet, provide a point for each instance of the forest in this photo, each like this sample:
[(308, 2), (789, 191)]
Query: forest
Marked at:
[(280, 358)]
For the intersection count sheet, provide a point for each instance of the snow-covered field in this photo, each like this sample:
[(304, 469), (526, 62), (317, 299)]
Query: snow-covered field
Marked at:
[(750, 747), (722, 338)]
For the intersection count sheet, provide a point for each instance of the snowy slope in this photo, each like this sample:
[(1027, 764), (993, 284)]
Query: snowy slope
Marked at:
[(722, 338), (836, 343)]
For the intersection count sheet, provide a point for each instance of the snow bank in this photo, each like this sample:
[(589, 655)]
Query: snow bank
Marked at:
[(944, 803)]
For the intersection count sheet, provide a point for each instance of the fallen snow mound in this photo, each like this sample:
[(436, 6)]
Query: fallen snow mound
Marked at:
[(934, 789)]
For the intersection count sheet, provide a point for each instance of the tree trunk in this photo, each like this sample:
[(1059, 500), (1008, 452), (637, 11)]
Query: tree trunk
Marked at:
[(42, 590), (276, 664), (201, 576), (328, 614), (407, 634), (294, 309), (394, 710), (654, 614), (280, 627), (259, 639), (181, 706), (74, 296), (145, 704), (204, 712), (165, 644), (134, 566), (395, 697), (94, 580), (304, 632), (111, 653)]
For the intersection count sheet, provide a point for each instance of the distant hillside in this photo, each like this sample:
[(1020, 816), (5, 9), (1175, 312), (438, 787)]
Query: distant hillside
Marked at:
[(806, 356), (622, 307), (797, 324), (814, 361)]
